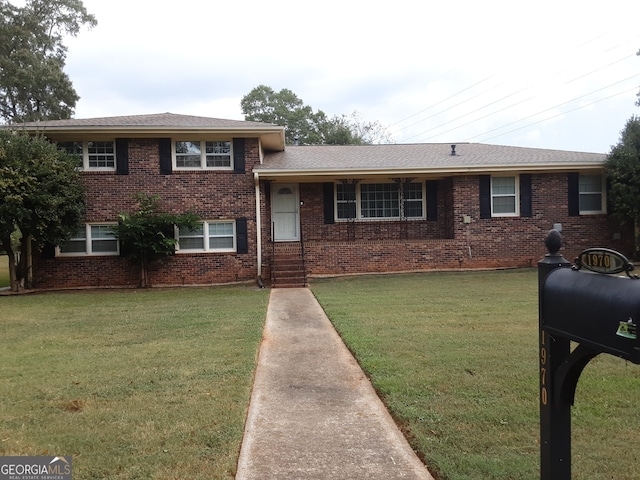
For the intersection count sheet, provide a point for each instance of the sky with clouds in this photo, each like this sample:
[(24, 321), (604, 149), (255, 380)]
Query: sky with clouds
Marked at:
[(559, 74)]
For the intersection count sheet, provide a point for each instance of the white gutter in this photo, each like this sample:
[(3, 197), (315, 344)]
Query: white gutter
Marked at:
[(256, 180), (488, 169)]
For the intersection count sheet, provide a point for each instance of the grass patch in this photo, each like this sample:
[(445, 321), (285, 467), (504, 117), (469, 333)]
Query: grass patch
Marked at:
[(133, 384), (455, 358)]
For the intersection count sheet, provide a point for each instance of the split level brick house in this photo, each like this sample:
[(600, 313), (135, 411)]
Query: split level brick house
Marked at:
[(280, 214)]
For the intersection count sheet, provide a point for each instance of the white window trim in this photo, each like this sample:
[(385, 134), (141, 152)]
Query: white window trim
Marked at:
[(516, 179), (205, 232), (203, 154), (89, 244), (602, 192), (85, 156), (360, 218)]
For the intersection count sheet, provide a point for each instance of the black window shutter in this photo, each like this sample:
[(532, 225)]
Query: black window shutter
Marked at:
[(432, 200), (329, 215), (242, 238), (485, 196), (238, 155), (574, 194), (525, 195), (48, 251), (122, 156), (165, 156)]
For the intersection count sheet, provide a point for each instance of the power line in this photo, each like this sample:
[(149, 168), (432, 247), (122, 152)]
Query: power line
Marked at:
[(549, 118), (452, 106), (441, 101), (473, 111), (517, 103), (530, 116), (505, 97)]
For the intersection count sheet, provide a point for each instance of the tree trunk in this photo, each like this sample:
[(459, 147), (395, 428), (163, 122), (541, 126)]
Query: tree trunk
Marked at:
[(144, 281), (25, 267), (13, 278), (24, 264), (636, 239)]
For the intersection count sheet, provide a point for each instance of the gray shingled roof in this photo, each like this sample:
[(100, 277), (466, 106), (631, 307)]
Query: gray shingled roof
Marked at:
[(272, 136), (425, 158), (157, 120)]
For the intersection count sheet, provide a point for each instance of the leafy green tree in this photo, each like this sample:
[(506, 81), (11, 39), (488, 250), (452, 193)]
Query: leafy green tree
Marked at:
[(354, 130), (33, 84), (41, 198), (623, 174), (303, 125), (147, 235), (337, 131)]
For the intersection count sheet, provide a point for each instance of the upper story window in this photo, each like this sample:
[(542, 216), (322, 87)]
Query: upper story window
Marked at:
[(91, 239), (201, 154), (504, 196), (209, 236), (591, 196), (92, 155), (380, 200)]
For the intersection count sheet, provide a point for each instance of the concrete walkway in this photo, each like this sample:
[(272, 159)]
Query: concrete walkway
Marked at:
[(313, 412)]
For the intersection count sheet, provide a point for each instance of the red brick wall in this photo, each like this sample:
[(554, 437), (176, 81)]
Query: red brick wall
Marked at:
[(211, 194), (339, 248), (382, 246)]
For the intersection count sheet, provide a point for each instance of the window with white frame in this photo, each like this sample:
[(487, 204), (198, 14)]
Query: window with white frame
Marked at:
[(591, 194), (504, 196), (208, 236), (91, 239), (346, 200), (379, 200), (202, 154), (413, 204), (92, 155), (368, 201)]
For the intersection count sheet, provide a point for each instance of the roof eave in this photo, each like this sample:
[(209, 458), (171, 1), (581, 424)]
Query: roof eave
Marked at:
[(273, 174), (272, 139)]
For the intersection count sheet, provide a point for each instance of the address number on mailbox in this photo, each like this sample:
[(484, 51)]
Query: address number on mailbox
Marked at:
[(603, 260)]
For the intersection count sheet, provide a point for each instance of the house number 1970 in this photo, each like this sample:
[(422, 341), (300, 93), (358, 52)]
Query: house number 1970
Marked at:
[(543, 369)]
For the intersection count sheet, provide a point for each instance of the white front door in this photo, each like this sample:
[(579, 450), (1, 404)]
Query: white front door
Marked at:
[(285, 205)]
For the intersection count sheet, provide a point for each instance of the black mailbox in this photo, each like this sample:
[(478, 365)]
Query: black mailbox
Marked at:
[(589, 304), (595, 310)]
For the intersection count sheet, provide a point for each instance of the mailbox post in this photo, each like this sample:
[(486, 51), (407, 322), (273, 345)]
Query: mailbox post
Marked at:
[(587, 305), (555, 419)]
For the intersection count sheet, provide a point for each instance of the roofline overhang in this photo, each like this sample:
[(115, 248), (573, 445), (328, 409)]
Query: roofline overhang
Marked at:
[(311, 175), (272, 139)]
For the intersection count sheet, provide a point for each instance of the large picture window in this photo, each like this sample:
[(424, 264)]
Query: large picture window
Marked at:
[(208, 236), (91, 239), (379, 200), (202, 154), (369, 201)]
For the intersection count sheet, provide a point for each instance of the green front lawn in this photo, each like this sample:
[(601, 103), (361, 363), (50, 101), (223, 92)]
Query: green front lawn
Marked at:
[(156, 383), (455, 358), (132, 384)]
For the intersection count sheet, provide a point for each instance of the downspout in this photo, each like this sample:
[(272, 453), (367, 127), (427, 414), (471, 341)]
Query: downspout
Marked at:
[(256, 179)]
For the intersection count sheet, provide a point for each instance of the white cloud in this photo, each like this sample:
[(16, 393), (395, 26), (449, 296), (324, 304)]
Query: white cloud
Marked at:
[(432, 71)]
